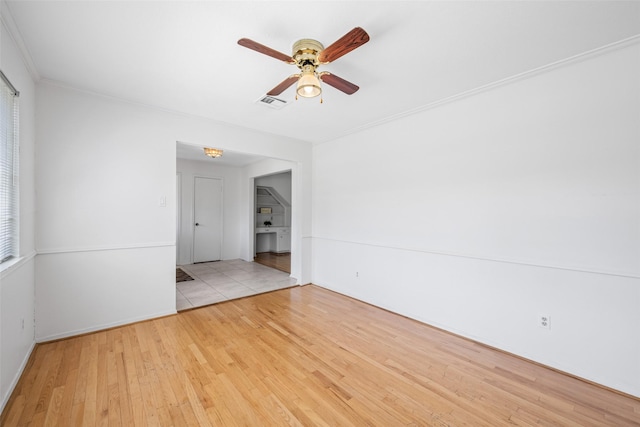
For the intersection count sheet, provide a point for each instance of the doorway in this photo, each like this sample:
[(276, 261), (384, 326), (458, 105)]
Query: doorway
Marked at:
[(272, 214), (207, 280), (207, 215)]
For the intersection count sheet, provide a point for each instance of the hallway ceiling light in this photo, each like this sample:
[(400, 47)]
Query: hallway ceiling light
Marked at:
[(214, 153)]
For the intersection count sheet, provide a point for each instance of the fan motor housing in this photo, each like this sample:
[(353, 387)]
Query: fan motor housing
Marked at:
[(305, 52)]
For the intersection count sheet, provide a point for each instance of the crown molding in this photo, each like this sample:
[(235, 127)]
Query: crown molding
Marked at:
[(113, 98), (7, 21), (620, 44)]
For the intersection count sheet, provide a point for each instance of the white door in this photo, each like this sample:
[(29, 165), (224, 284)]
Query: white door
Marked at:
[(207, 227)]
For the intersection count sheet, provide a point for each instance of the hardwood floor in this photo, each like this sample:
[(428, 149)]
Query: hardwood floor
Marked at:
[(280, 262), (300, 356)]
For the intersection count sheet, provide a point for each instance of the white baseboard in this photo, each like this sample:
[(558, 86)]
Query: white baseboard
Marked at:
[(102, 327), (16, 378)]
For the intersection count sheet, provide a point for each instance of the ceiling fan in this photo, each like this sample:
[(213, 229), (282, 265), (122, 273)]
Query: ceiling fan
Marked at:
[(308, 55)]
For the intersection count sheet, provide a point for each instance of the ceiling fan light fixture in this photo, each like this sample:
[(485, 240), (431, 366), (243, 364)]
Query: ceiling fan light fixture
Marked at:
[(214, 153), (308, 85), (308, 55)]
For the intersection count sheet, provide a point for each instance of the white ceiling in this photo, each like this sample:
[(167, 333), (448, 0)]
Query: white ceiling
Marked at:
[(184, 56)]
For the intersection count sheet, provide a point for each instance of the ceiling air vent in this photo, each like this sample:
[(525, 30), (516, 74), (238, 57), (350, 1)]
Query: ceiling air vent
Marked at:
[(272, 102)]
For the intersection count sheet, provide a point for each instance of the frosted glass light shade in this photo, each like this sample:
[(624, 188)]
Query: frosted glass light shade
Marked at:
[(308, 85), (213, 152)]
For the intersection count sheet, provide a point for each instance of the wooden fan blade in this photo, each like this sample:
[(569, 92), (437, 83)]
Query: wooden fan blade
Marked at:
[(265, 50), (284, 85), (339, 83), (350, 41)]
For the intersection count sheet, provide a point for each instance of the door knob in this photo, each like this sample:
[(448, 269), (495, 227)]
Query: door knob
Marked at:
[(197, 224)]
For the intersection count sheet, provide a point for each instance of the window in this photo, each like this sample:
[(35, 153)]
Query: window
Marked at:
[(8, 170)]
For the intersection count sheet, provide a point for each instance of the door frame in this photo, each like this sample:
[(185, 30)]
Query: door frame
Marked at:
[(193, 215), (253, 200), (178, 214)]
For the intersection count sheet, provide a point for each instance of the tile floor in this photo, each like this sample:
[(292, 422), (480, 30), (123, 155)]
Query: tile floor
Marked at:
[(224, 280)]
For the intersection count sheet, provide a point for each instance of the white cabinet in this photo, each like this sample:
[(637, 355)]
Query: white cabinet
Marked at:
[(273, 239), (283, 240)]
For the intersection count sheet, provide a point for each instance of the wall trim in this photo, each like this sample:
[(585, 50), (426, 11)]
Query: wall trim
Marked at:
[(620, 44), (476, 340), (16, 377), (63, 85), (178, 213), (52, 251), (104, 326), (7, 19), (16, 264), (489, 259)]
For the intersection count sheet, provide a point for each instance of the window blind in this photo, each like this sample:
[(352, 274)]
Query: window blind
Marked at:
[(8, 170)]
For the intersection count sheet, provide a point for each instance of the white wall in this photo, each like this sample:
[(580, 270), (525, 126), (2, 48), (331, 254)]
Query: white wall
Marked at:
[(103, 166), (491, 210), (17, 282), (232, 227), (101, 172)]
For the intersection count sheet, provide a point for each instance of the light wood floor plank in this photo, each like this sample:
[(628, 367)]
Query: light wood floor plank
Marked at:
[(297, 357)]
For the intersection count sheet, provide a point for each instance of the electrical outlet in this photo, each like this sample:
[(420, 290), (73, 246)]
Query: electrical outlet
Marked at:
[(544, 321), (357, 274)]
